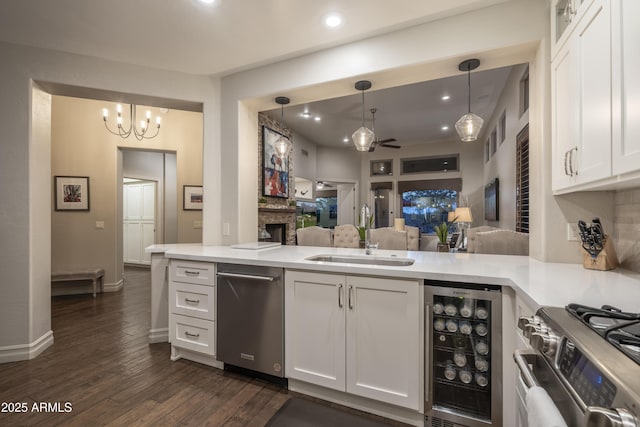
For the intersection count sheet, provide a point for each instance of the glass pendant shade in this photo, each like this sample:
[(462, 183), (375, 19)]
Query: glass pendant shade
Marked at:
[(282, 146), (363, 138), (468, 127)]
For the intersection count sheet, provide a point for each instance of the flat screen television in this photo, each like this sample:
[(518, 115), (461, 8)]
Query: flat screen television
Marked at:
[(491, 198)]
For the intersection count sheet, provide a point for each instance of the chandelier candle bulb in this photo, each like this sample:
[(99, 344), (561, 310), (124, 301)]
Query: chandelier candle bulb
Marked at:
[(105, 113), (158, 119), (119, 108), (148, 114)]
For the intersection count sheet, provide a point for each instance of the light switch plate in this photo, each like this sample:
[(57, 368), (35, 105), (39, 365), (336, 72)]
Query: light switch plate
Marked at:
[(100, 224), (197, 225), (226, 229)]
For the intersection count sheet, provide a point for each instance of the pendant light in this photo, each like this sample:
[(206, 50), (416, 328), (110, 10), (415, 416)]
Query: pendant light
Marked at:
[(469, 125), (282, 145), (363, 137)]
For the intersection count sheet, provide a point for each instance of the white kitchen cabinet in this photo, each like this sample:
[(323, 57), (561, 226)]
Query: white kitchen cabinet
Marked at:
[(356, 334), (581, 107), (565, 16), (192, 319), (626, 86)]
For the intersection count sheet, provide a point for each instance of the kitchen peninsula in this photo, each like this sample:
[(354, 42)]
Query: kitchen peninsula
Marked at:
[(526, 285)]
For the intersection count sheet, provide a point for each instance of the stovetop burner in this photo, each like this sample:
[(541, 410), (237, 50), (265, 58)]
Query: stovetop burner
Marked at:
[(619, 328)]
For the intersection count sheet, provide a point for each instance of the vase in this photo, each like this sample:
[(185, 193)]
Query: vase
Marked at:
[(443, 247)]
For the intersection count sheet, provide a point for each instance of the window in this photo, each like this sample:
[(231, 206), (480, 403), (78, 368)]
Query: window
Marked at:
[(427, 203), (486, 151), (494, 141), (524, 92), (522, 180), (430, 164), (381, 167), (502, 126), (327, 211)]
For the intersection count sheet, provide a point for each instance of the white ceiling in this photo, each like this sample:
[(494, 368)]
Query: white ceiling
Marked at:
[(412, 114), (227, 36)]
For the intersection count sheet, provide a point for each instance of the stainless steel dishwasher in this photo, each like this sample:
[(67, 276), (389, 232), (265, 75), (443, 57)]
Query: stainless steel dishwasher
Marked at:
[(250, 318)]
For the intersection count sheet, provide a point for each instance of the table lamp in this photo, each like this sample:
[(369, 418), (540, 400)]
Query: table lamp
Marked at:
[(463, 217)]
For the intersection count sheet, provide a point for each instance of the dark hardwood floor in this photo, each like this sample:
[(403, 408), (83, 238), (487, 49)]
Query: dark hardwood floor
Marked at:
[(101, 370)]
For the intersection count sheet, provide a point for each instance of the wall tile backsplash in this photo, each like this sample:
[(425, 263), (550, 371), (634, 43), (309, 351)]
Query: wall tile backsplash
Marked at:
[(627, 228)]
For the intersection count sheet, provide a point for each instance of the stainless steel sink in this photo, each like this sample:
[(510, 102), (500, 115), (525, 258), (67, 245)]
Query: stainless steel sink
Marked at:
[(363, 259)]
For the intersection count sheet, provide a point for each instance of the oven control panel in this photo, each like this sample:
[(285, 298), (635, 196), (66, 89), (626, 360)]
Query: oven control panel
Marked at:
[(590, 384)]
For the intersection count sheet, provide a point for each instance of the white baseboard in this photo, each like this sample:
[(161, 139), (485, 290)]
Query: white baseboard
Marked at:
[(158, 335), (16, 353), (407, 416), (181, 353), (114, 287)]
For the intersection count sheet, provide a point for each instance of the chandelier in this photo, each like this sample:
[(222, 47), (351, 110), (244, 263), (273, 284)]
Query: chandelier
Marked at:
[(139, 134)]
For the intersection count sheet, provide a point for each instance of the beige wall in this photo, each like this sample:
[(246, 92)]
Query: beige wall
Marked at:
[(81, 146)]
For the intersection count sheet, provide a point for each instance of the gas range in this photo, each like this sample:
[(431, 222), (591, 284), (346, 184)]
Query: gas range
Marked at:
[(617, 327), (587, 359)]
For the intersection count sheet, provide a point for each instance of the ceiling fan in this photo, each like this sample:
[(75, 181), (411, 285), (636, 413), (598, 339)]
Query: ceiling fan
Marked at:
[(376, 141)]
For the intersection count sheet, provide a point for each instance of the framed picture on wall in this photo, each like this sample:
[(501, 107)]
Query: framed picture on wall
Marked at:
[(192, 197), (71, 193), (275, 169)]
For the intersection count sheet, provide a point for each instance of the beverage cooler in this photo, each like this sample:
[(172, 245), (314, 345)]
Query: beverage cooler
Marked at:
[(463, 354)]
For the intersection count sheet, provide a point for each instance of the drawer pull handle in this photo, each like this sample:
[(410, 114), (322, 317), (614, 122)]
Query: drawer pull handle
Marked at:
[(192, 301), (187, 333), (191, 273)]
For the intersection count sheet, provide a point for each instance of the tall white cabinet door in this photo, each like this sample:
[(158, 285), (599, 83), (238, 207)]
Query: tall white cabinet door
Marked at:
[(315, 328), (626, 86), (383, 345), (593, 45), (139, 227), (565, 112)]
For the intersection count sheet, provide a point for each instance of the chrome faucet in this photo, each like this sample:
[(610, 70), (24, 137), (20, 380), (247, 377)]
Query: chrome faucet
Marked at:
[(366, 218)]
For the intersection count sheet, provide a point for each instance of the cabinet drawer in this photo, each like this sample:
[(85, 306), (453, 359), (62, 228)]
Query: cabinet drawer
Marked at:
[(192, 300), (202, 273), (193, 334)]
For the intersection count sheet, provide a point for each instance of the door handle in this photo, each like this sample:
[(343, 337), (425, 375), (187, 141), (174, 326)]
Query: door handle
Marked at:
[(525, 372), (340, 295), (571, 161), (247, 276), (566, 166), (350, 297)]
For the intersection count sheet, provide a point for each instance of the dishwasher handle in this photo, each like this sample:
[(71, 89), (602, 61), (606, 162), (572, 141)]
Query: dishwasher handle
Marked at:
[(247, 276)]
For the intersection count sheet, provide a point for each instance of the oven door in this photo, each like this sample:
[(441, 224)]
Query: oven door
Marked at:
[(535, 371)]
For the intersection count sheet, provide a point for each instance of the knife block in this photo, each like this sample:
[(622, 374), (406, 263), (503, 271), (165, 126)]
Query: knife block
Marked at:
[(606, 259)]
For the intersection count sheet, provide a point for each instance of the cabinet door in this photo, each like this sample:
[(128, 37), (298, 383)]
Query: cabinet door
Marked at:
[(315, 328), (593, 49), (383, 340), (565, 115), (626, 86)]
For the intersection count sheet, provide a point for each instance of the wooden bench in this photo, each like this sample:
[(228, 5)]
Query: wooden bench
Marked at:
[(93, 274)]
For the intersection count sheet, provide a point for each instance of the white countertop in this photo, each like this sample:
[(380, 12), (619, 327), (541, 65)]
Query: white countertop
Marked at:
[(538, 283)]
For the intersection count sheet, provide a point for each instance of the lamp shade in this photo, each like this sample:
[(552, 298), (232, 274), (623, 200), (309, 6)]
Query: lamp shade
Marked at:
[(463, 215), (451, 216), (468, 127), (363, 138)]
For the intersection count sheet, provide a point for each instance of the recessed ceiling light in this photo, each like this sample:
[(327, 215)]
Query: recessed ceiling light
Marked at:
[(317, 118), (333, 20), (207, 1), (306, 115), (445, 97), (445, 127), (345, 140)]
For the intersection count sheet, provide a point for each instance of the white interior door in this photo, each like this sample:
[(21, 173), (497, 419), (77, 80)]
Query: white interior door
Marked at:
[(139, 221), (346, 204)]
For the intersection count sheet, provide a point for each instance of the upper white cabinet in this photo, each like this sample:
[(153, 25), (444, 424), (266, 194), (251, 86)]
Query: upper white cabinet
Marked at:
[(581, 82), (594, 95), (626, 86), (355, 334)]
